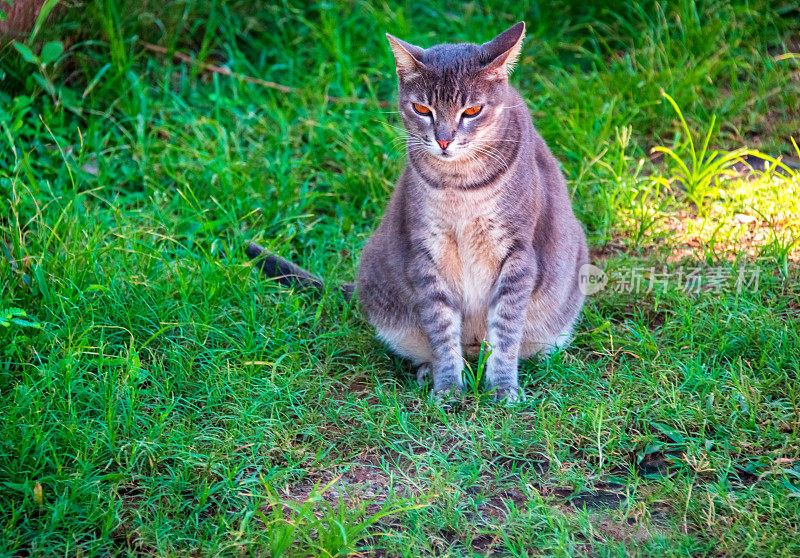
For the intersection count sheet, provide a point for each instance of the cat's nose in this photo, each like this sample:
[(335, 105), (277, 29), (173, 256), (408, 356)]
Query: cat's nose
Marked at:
[(444, 143)]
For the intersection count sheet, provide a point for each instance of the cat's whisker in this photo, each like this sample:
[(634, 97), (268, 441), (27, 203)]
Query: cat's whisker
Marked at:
[(485, 150), (406, 134), (411, 142), (409, 148), (487, 145), (406, 138), (496, 152), (481, 152), (399, 128), (473, 157), (420, 138), (494, 140), (497, 158)]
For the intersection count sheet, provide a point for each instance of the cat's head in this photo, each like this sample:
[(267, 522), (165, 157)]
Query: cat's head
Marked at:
[(452, 95)]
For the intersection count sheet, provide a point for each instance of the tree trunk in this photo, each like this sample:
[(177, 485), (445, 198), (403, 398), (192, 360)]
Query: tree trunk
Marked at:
[(20, 17)]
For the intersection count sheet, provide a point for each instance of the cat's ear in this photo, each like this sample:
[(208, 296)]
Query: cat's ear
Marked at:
[(503, 52), (407, 58)]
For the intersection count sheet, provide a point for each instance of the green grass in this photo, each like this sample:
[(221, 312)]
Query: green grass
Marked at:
[(160, 398)]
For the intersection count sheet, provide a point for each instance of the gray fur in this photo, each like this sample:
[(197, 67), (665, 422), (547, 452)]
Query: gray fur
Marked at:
[(479, 241)]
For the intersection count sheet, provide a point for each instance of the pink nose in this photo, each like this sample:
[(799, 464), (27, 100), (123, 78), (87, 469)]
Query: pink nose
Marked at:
[(444, 143)]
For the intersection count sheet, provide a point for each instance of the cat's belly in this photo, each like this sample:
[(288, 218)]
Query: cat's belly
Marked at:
[(477, 285), (468, 258), (473, 332)]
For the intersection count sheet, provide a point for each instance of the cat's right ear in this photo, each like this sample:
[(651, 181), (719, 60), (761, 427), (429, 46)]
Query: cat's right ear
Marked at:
[(407, 58), (504, 51)]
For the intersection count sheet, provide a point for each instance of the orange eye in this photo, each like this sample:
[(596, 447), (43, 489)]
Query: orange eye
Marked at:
[(421, 109), (472, 111)]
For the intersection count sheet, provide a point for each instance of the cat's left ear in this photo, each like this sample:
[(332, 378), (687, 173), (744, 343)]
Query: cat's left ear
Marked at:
[(407, 57), (503, 52)]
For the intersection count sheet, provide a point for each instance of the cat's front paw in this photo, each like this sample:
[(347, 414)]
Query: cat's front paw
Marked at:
[(424, 373), (447, 397), (508, 394)]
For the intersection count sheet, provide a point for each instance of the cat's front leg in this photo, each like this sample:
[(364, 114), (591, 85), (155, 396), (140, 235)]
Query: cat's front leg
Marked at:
[(440, 319), (506, 321)]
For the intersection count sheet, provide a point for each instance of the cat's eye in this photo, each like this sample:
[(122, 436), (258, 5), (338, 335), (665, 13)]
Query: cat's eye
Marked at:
[(421, 109), (473, 111)]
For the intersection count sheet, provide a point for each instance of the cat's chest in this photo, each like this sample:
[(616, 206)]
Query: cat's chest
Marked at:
[(468, 253)]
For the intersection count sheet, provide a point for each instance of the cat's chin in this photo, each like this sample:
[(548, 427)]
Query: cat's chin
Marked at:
[(448, 157)]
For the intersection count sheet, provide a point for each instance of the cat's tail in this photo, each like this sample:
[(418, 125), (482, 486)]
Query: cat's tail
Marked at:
[(289, 274)]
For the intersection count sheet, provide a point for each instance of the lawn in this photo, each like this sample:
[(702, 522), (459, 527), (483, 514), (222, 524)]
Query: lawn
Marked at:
[(159, 397)]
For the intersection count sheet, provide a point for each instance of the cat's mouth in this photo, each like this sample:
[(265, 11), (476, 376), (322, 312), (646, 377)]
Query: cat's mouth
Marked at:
[(449, 154), (452, 154), (446, 157)]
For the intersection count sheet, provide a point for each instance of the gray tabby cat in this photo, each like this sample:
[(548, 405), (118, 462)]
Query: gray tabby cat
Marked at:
[(479, 241)]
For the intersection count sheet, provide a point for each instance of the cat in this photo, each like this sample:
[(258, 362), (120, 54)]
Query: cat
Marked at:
[(478, 241)]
